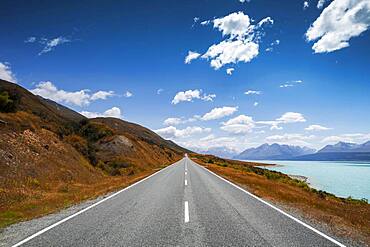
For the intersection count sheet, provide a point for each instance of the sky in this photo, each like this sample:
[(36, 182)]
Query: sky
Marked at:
[(207, 74)]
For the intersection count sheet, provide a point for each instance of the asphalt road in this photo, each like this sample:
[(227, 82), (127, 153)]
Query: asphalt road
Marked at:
[(182, 205)]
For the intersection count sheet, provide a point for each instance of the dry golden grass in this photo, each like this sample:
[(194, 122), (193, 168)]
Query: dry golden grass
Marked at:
[(344, 217)]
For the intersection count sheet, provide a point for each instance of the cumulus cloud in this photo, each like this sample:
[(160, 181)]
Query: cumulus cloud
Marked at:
[(286, 118), (191, 56), (338, 23), (255, 103), (316, 127), (291, 117), (190, 95), (291, 139), (241, 43), (241, 124), (48, 90), (220, 112), (172, 132), (112, 112), (173, 121), (249, 92), (6, 73)]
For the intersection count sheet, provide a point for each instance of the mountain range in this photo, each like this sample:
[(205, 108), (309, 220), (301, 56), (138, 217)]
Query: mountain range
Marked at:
[(341, 151), (273, 152)]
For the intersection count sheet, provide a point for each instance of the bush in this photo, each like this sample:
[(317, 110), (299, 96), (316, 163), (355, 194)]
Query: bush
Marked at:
[(94, 132), (78, 143), (8, 102)]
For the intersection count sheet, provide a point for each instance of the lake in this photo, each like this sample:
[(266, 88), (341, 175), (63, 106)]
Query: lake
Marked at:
[(343, 179)]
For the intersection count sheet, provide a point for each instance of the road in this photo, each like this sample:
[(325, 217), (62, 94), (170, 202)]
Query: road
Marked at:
[(182, 205)]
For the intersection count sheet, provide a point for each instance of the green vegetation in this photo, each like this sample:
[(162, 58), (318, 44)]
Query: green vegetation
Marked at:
[(8, 102)]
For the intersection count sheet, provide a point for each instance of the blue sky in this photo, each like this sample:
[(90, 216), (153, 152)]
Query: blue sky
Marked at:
[(58, 48)]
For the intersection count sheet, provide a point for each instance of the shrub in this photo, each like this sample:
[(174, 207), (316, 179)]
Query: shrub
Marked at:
[(8, 102), (78, 143), (94, 131)]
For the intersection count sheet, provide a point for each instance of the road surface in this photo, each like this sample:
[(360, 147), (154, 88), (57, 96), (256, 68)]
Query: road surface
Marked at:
[(182, 205)]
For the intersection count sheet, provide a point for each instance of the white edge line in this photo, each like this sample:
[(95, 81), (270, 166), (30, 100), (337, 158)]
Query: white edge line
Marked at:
[(277, 209), (85, 209), (186, 211)]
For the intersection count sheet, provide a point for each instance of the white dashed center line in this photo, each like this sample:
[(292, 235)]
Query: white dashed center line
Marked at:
[(186, 182), (186, 212)]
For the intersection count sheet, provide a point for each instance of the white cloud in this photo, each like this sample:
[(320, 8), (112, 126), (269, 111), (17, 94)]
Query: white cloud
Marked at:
[(217, 113), (30, 40), (173, 121), (159, 91), (229, 51), (267, 20), (249, 92), (191, 56), (230, 71), (291, 117), (101, 95), (127, 94), (306, 5), (48, 90), (291, 139), (255, 103), (353, 138), (113, 112), (190, 95), (338, 23), (271, 48), (320, 4), (288, 117), (241, 124), (6, 73), (241, 39), (52, 43), (291, 84), (316, 127), (172, 132)]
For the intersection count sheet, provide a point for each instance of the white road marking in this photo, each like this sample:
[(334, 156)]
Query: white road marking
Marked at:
[(186, 212), (277, 209), (186, 173), (85, 209), (186, 182)]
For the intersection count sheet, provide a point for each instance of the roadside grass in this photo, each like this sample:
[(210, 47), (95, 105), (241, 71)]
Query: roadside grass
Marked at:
[(345, 217), (39, 201)]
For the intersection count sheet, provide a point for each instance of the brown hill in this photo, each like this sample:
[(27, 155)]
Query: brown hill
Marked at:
[(53, 156)]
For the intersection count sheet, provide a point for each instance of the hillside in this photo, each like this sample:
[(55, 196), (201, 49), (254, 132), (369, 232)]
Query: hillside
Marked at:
[(273, 152), (58, 156)]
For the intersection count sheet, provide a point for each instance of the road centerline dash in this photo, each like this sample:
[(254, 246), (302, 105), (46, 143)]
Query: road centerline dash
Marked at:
[(186, 212)]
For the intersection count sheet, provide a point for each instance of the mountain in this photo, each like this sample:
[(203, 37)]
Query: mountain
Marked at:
[(341, 147), (273, 152), (340, 151), (51, 152)]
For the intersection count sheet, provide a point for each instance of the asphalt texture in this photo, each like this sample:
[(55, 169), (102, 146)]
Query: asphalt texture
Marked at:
[(152, 213)]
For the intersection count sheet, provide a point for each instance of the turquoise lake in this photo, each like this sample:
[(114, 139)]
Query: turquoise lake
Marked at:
[(343, 179)]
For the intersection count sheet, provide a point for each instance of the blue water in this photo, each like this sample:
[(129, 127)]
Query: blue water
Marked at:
[(343, 179)]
